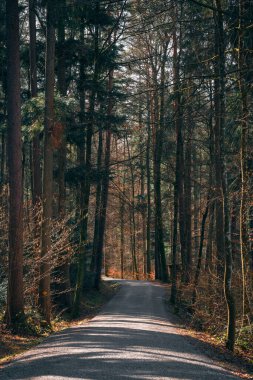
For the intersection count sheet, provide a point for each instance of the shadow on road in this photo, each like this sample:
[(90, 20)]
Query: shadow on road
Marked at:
[(129, 344)]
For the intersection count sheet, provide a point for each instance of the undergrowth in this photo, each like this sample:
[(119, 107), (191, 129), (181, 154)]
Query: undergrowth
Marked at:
[(209, 314), (31, 328)]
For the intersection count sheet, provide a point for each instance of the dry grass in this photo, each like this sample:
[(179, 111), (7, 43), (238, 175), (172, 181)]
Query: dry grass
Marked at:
[(206, 322)]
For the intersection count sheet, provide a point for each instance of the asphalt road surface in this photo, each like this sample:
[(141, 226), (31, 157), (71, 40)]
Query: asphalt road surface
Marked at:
[(132, 338)]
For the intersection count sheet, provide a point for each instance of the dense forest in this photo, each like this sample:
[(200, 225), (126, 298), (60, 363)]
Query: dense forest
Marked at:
[(126, 150)]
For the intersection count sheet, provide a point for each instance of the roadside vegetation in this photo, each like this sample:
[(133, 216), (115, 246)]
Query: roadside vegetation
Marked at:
[(34, 331)]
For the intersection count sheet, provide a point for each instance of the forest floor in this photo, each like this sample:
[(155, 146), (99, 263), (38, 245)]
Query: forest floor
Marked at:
[(12, 345)]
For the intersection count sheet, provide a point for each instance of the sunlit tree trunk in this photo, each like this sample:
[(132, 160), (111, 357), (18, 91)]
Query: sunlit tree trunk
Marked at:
[(223, 235), (180, 164), (178, 180)]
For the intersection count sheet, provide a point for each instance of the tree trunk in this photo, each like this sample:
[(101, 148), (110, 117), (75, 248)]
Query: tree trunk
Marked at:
[(178, 179), (86, 183), (35, 149), (15, 298), (161, 265), (36, 168), (3, 159), (47, 197), (179, 170), (202, 237), (132, 217), (105, 188), (243, 86), (122, 236), (210, 240), (142, 199), (62, 87), (218, 105), (98, 200), (148, 168), (223, 235), (65, 286), (209, 245), (196, 196), (188, 186)]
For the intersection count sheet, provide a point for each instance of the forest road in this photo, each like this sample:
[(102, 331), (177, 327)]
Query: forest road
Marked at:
[(132, 338)]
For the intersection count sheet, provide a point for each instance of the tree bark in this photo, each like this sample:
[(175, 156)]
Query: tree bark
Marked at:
[(243, 86), (62, 87), (142, 199), (218, 163), (47, 197), (65, 286), (148, 168), (224, 234), (188, 186), (3, 159), (98, 199), (122, 235), (132, 217), (105, 189), (15, 297), (180, 169), (178, 179), (86, 183), (202, 237), (36, 167)]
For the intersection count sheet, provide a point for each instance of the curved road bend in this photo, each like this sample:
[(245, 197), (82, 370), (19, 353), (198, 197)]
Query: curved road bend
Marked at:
[(132, 338)]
